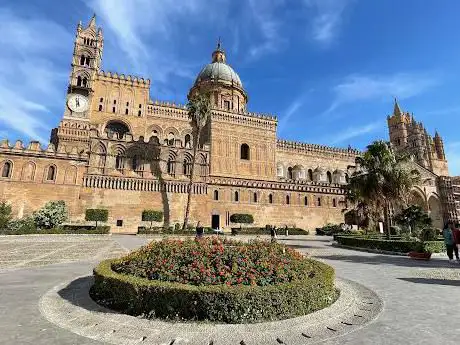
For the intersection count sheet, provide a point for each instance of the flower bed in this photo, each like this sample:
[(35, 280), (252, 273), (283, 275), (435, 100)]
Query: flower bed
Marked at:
[(215, 280), (399, 246)]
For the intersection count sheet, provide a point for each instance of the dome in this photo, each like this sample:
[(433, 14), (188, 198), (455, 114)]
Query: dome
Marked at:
[(219, 71)]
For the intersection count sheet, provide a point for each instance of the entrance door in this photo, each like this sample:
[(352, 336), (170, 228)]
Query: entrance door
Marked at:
[(215, 221)]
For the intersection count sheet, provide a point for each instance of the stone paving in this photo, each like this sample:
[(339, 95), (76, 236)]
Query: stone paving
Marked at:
[(421, 299)]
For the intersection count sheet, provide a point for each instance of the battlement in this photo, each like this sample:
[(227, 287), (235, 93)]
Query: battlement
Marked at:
[(124, 79), (35, 149), (250, 119), (314, 148)]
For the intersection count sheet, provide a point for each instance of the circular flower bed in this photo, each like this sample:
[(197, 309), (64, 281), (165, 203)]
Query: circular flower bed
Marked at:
[(215, 280)]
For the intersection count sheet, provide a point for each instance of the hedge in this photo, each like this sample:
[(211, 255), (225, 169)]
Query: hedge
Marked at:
[(264, 231), (65, 229), (152, 216), (399, 246), (239, 304), (242, 218), (157, 230)]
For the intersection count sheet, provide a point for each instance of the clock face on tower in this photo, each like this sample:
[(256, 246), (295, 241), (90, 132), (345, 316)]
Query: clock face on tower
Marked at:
[(77, 103)]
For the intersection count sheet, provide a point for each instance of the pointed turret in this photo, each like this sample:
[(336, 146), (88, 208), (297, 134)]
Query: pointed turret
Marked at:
[(92, 22), (397, 110), (439, 145)]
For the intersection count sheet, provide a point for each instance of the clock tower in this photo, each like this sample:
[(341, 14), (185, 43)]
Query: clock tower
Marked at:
[(86, 63)]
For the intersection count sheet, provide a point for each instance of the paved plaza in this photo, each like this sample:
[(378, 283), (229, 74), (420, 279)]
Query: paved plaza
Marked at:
[(420, 300)]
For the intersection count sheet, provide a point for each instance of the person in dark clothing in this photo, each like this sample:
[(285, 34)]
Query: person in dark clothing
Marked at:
[(199, 230), (451, 246), (273, 233)]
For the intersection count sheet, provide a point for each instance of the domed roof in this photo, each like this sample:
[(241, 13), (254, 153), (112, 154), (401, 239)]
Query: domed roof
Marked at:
[(219, 71)]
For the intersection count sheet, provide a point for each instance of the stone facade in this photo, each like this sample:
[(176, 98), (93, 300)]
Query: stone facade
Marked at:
[(118, 149)]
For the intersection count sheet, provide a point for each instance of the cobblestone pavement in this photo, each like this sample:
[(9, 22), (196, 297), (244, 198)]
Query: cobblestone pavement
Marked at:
[(421, 299)]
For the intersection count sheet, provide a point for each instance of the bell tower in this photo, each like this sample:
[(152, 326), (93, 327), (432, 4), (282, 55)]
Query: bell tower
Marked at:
[(73, 130), (86, 62)]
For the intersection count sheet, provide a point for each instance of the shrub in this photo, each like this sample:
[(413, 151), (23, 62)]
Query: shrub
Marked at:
[(329, 230), (214, 280), (429, 234), (242, 218), (394, 245), (21, 227), (96, 215), (395, 230), (27, 226), (84, 229), (51, 215), (265, 231), (5, 215), (152, 216)]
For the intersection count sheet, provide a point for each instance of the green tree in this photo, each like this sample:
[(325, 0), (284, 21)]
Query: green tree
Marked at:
[(5, 215), (414, 218), (96, 215), (242, 218), (152, 216), (199, 111), (51, 215), (382, 179)]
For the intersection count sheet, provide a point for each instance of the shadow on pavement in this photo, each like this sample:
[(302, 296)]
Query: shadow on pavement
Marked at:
[(77, 293), (378, 259), (432, 281)]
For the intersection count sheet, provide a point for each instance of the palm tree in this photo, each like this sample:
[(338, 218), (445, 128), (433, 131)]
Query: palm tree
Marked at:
[(383, 179), (199, 111)]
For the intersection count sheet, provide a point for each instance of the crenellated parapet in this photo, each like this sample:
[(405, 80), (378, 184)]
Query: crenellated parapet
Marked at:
[(123, 79), (293, 146), (249, 119), (34, 149)]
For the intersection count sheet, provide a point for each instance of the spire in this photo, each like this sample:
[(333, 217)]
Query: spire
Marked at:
[(397, 109), (92, 22), (219, 43)]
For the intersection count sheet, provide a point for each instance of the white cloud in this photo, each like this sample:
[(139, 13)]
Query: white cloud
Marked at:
[(291, 110), (266, 16), (328, 18), (361, 88), (29, 87), (353, 132)]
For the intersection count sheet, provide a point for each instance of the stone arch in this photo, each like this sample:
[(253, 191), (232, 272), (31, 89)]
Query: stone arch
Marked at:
[(28, 171), (417, 197), (7, 168), (50, 173), (70, 175), (117, 129), (187, 164), (245, 152), (171, 134), (298, 172), (155, 131), (435, 211)]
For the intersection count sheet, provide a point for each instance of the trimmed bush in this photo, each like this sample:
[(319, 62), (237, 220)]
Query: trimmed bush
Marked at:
[(96, 215), (152, 216), (392, 245), (329, 230), (242, 218), (5, 215), (27, 227), (119, 284), (51, 215), (265, 231)]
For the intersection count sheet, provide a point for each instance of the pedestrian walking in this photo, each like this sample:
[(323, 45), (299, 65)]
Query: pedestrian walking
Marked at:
[(451, 246), (273, 233)]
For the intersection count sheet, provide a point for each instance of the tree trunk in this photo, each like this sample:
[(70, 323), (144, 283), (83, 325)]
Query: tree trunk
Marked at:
[(190, 184)]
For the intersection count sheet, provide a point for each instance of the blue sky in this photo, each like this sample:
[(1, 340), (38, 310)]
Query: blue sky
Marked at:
[(329, 69)]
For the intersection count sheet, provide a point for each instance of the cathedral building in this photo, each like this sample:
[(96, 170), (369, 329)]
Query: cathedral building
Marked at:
[(118, 149)]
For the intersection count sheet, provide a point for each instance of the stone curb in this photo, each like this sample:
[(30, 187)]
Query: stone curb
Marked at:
[(69, 306), (377, 251)]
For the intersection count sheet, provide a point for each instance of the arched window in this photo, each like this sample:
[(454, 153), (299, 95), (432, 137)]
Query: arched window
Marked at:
[(155, 136), (254, 198), (329, 177), (347, 178), (318, 202), (245, 152), (305, 201), (100, 107), (334, 203), (216, 195), (6, 170), (237, 196), (289, 175), (51, 174), (270, 198), (186, 167), (170, 166), (85, 82), (135, 163), (187, 140), (116, 127), (126, 111), (171, 139), (82, 60), (79, 82), (310, 175), (119, 162), (288, 200)]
